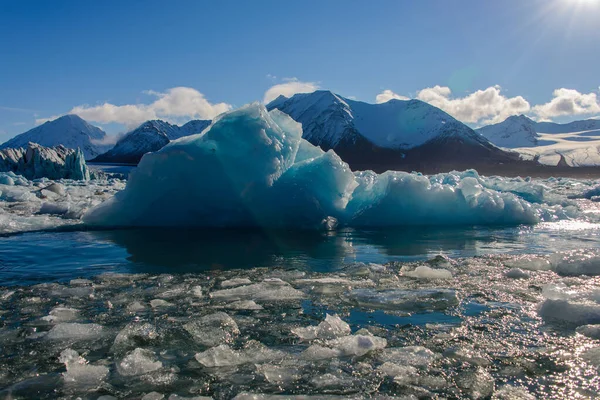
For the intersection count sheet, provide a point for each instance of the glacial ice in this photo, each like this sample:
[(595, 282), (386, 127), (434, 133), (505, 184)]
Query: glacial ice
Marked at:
[(37, 161), (392, 336), (262, 173), (74, 331), (212, 330), (332, 327), (139, 361), (44, 204), (425, 272), (79, 373)]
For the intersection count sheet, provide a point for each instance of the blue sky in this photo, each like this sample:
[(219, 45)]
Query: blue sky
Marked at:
[(479, 60)]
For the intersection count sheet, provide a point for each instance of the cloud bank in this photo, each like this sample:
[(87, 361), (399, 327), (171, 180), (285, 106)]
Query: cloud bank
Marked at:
[(290, 87), (490, 106), (177, 102)]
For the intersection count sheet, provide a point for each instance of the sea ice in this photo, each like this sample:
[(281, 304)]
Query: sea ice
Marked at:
[(272, 289), (331, 328), (225, 356), (139, 361), (416, 356), (405, 299), (591, 331), (262, 173), (425, 272), (79, 372), (516, 273), (134, 335), (212, 330), (74, 331)]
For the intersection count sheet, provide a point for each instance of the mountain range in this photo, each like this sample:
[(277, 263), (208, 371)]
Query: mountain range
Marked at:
[(70, 131), (573, 144), (148, 137), (398, 135)]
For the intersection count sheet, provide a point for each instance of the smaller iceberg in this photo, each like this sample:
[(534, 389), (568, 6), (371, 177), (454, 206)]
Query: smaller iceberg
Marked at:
[(251, 168), (37, 161)]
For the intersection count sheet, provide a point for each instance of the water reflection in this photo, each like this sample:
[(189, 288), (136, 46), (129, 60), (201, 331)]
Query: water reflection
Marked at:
[(192, 250), (51, 256)]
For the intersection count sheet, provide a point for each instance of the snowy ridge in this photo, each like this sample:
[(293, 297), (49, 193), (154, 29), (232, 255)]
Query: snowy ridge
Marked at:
[(70, 131), (37, 161), (149, 137), (328, 118), (574, 144)]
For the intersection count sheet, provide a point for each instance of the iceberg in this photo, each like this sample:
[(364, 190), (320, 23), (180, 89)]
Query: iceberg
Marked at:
[(251, 168), (37, 161)]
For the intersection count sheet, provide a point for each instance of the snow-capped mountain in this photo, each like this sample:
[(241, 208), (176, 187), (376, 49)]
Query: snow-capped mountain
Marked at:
[(515, 131), (149, 137), (398, 134), (574, 144), (69, 130)]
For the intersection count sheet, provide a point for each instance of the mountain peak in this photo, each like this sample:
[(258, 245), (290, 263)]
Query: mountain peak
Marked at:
[(69, 130)]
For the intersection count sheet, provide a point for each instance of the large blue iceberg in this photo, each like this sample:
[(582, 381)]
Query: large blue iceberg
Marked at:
[(252, 168)]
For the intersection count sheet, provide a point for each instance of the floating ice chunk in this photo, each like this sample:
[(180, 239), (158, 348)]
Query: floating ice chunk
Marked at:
[(576, 262), (416, 356), (135, 307), (61, 314), (224, 356), (178, 397), (331, 328), (261, 396), (75, 331), (530, 262), (269, 290), (357, 345), (197, 291), (467, 355), (316, 352), (235, 282), (160, 303), (408, 300), (134, 335), (214, 329), (569, 312), (138, 362), (334, 382), (508, 392), (591, 331), (425, 272), (478, 384), (79, 373), (244, 305), (402, 374), (153, 396), (279, 375), (592, 356), (516, 273)]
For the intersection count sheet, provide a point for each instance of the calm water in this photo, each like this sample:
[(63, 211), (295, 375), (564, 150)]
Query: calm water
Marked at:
[(58, 256)]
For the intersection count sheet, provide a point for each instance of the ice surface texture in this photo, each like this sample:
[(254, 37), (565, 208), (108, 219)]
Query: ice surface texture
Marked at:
[(37, 161), (252, 168)]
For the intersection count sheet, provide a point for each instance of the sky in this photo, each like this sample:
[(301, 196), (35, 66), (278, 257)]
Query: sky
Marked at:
[(119, 63)]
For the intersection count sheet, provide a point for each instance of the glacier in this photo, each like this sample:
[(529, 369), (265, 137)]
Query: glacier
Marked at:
[(251, 168), (36, 161)]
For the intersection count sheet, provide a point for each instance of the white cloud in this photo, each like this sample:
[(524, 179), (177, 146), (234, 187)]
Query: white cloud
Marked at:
[(388, 95), (567, 102), (481, 107), (178, 102), (290, 87)]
